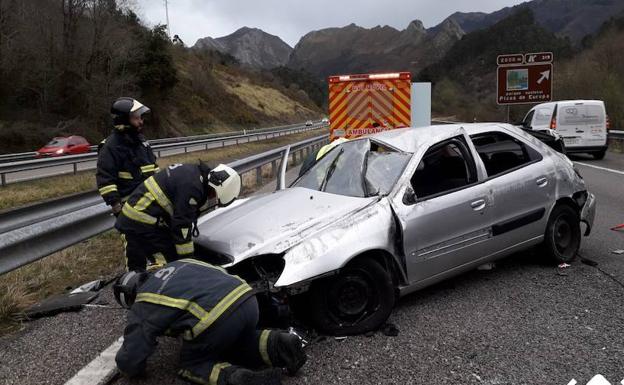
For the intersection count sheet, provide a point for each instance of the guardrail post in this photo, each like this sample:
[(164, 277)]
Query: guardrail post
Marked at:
[(258, 175), (223, 143), (273, 168), (75, 168), (3, 179)]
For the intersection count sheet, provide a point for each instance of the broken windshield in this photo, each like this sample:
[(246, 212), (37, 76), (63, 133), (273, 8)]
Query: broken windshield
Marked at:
[(359, 168)]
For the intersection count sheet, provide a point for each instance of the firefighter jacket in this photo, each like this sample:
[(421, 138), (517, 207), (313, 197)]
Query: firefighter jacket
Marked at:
[(185, 298), (124, 161), (172, 198)]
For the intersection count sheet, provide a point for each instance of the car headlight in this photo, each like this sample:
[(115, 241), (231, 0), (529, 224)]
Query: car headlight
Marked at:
[(59, 151)]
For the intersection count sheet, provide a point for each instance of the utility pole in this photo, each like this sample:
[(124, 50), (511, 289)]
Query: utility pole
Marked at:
[(167, 14)]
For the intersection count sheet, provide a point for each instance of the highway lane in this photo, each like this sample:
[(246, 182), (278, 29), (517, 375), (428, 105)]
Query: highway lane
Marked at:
[(21, 176), (521, 323)]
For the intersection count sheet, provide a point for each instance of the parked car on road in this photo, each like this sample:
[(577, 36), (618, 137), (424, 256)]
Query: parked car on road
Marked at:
[(382, 216), (59, 146), (583, 124), (308, 123)]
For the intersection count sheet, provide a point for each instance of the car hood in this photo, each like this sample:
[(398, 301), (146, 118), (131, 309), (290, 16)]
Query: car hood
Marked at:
[(273, 223)]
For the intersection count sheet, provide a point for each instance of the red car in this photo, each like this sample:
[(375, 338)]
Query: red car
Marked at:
[(64, 146)]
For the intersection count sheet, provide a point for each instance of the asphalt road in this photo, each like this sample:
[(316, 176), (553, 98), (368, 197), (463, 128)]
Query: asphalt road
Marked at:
[(520, 323)]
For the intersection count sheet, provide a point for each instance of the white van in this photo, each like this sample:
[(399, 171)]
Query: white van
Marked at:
[(582, 124)]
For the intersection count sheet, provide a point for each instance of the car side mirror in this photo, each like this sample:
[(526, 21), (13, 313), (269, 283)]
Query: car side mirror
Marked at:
[(409, 198)]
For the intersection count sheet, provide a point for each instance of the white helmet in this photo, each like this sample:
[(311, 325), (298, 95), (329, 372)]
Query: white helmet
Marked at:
[(226, 182)]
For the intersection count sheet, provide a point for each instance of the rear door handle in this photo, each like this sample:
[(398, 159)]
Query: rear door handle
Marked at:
[(541, 182), (478, 205)]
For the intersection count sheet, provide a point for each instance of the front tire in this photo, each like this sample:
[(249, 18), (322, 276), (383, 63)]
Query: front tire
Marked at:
[(358, 300), (562, 238), (598, 155)]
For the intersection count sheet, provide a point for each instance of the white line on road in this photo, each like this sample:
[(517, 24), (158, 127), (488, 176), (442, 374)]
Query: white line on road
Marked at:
[(100, 370), (601, 168)]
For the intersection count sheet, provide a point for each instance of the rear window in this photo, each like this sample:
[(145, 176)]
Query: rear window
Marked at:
[(543, 116), (57, 142)]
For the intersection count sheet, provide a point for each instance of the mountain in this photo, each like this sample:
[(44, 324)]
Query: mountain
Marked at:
[(353, 49), (566, 18), (250, 46)]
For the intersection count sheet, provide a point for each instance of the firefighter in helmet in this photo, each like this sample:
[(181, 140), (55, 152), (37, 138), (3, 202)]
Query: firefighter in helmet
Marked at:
[(160, 216), (125, 158)]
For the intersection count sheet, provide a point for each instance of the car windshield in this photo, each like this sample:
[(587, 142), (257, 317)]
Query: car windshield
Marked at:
[(57, 142), (359, 168)]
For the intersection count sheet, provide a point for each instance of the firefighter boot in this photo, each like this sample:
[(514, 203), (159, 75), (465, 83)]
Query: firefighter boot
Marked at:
[(236, 375), (286, 351)]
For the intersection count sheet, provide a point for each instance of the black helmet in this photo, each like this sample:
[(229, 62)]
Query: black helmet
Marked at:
[(125, 289), (123, 107)]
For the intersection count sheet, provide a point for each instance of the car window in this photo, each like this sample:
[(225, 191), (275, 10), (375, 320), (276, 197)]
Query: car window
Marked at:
[(543, 116), (501, 153), (527, 119), (445, 167), (358, 168), (57, 142)]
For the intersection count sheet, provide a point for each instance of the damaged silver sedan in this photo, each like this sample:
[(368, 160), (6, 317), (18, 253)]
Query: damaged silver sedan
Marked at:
[(385, 215)]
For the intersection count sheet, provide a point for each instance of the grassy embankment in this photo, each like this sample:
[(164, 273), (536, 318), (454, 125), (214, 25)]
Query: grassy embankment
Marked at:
[(98, 257)]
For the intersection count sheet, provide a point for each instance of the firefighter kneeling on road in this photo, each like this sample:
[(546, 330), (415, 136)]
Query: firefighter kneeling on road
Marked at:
[(160, 216), (215, 313)]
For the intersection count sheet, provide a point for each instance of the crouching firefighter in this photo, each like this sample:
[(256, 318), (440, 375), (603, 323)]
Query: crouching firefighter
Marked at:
[(160, 216), (125, 158), (215, 313)]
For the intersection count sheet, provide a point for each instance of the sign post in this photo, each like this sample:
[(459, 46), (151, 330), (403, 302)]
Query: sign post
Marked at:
[(524, 78)]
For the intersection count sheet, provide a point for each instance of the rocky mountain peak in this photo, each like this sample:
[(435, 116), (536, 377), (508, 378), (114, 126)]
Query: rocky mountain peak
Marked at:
[(251, 46)]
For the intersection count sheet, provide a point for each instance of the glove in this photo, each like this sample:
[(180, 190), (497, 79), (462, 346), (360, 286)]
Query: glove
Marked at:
[(218, 177), (116, 208)]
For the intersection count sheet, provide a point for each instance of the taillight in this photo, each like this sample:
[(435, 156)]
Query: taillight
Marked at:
[(553, 122), (608, 123)]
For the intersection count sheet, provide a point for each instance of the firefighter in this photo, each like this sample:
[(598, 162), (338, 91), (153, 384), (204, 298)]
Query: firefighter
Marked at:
[(215, 313), (125, 158), (159, 217), (314, 157)]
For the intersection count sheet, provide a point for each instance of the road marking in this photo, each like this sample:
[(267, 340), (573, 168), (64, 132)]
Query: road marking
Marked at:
[(601, 168), (573, 382), (99, 371)]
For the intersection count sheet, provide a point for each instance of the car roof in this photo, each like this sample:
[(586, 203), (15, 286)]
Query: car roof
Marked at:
[(412, 138)]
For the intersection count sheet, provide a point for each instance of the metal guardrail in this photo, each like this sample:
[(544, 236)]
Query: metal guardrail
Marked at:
[(34, 232), (15, 157), (188, 145)]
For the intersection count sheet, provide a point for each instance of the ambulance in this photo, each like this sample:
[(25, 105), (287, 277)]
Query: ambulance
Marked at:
[(368, 103)]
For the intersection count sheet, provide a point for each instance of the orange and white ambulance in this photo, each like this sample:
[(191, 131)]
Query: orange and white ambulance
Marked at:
[(368, 103)]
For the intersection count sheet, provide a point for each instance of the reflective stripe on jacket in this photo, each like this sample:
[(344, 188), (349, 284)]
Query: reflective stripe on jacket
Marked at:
[(172, 197), (124, 162), (185, 297)]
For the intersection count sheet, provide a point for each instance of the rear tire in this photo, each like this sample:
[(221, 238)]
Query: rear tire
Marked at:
[(562, 238), (598, 155), (357, 300)]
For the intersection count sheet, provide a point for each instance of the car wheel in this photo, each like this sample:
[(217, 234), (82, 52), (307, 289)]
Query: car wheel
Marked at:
[(357, 300), (563, 234), (599, 154)]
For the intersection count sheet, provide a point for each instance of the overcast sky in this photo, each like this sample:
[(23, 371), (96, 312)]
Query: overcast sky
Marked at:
[(291, 19)]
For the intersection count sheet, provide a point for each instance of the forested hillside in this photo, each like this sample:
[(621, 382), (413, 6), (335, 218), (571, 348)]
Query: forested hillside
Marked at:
[(464, 81), (62, 62)]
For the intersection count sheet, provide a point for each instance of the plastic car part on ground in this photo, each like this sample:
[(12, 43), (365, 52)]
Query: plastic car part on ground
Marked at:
[(60, 304)]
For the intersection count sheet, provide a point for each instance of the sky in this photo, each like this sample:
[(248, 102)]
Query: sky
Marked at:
[(291, 19)]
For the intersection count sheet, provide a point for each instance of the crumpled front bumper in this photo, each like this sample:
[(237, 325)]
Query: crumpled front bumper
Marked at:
[(588, 213)]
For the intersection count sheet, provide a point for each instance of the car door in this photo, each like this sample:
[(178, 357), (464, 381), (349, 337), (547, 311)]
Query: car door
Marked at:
[(445, 220), (520, 186)]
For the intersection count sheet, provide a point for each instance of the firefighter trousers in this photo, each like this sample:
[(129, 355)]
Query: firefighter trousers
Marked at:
[(233, 341), (155, 245)]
